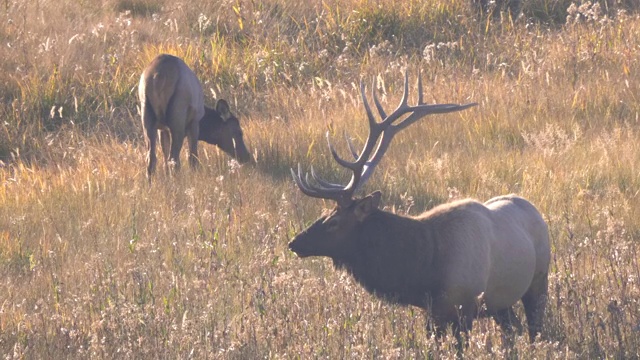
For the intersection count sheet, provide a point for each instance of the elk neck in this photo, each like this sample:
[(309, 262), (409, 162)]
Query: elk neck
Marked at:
[(209, 122), (385, 252)]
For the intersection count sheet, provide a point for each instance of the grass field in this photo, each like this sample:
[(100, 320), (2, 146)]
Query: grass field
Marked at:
[(95, 263)]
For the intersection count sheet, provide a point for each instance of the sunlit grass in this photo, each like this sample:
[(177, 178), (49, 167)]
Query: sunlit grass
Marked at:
[(97, 263)]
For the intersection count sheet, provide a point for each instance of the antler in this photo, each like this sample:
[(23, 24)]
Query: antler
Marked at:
[(364, 163)]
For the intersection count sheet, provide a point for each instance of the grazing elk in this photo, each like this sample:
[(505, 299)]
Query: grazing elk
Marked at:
[(458, 260), (495, 6), (172, 103)]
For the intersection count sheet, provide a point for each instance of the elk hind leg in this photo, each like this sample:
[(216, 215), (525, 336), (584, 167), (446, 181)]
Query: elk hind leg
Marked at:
[(507, 319), (149, 124), (165, 142), (151, 153), (535, 302)]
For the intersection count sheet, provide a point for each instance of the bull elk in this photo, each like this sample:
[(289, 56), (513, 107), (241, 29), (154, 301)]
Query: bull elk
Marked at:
[(459, 260), (172, 104)]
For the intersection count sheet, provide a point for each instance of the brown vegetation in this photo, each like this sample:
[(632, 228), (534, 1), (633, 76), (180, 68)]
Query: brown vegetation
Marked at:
[(93, 264)]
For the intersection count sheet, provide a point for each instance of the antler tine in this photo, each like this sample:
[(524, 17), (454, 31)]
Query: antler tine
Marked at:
[(402, 108), (381, 111), (307, 189), (405, 94), (420, 95), (339, 160), (324, 183), (375, 128), (352, 149), (302, 185), (424, 110), (372, 120)]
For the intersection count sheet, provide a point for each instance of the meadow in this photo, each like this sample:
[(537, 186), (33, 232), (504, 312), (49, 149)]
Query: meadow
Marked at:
[(96, 263)]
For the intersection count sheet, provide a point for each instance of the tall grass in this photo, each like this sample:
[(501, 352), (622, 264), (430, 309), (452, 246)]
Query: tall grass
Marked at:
[(96, 263)]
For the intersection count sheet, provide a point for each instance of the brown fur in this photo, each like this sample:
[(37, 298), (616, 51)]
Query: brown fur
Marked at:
[(444, 260), (172, 103)]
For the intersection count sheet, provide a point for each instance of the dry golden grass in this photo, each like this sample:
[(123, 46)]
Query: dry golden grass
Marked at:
[(95, 263)]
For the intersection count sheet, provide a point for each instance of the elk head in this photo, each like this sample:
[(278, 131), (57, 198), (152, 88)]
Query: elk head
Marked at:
[(220, 127), (333, 234)]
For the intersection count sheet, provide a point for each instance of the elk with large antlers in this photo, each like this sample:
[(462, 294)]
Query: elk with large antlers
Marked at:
[(453, 260)]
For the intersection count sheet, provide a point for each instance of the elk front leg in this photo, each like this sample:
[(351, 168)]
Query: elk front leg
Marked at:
[(151, 152), (151, 132), (192, 136)]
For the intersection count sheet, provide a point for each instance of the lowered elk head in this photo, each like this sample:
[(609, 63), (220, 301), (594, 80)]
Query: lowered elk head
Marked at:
[(333, 234), (220, 127)]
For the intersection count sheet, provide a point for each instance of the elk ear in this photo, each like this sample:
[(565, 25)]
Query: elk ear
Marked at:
[(366, 205), (222, 107)]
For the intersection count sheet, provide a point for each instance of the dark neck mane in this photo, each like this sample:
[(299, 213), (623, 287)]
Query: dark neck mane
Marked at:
[(386, 251)]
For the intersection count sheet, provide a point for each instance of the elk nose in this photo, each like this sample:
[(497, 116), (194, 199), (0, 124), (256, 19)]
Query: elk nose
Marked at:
[(294, 247), (241, 152)]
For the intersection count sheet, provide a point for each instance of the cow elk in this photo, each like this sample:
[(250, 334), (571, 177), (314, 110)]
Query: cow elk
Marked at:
[(496, 6), (172, 104), (459, 261)]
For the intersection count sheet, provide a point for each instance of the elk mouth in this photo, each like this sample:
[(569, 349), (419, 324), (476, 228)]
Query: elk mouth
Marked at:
[(244, 157), (240, 152), (299, 250)]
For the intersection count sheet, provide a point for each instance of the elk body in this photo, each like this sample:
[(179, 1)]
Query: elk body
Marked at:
[(172, 104), (459, 260)]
